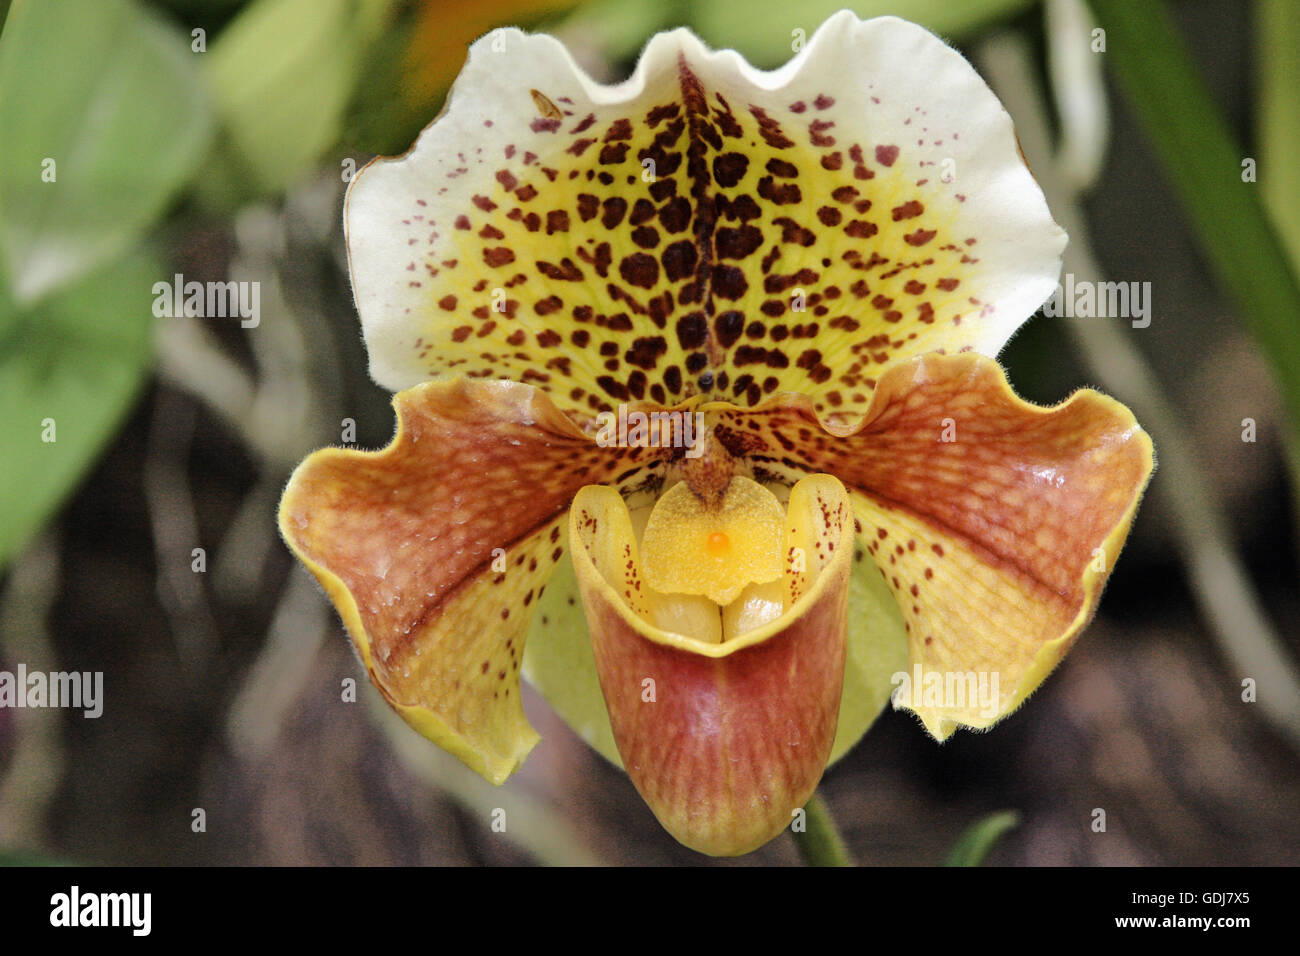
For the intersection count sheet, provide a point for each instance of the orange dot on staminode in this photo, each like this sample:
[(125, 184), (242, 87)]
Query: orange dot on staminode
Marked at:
[(718, 542)]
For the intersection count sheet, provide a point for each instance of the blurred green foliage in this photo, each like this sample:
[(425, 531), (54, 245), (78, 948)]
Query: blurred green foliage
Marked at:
[(769, 32), (1216, 180), (1279, 117), (104, 120), (21, 858), (282, 73), (763, 29), (70, 367)]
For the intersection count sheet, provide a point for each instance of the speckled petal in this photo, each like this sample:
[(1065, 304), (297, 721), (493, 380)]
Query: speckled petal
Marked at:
[(436, 549), (724, 741), (995, 523), (703, 227)]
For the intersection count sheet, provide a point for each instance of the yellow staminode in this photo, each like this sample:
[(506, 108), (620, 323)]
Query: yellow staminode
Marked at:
[(693, 547)]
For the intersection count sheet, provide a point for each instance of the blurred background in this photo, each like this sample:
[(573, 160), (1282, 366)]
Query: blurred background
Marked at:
[(215, 138)]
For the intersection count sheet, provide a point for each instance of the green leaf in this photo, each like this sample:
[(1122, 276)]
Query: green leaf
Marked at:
[(1278, 82), (282, 73), (70, 368), (1279, 118), (979, 839), (104, 100), (1204, 163)]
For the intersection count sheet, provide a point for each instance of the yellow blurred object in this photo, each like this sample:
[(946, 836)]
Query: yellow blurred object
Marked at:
[(442, 32)]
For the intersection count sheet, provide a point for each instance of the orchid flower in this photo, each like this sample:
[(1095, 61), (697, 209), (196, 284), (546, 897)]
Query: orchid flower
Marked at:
[(707, 355)]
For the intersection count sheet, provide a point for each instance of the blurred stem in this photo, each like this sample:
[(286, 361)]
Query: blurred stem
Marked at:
[(29, 784), (282, 671), (981, 837), (1204, 164), (174, 520), (820, 844), (534, 825)]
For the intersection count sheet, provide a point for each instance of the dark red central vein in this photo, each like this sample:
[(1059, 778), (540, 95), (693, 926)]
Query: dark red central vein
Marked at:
[(696, 106)]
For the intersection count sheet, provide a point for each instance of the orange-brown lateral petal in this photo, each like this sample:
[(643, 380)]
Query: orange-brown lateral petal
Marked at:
[(994, 522), (723, 741), (436, 549)]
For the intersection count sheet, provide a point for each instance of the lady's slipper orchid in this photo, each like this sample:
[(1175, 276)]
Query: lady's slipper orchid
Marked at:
[(707, 351)]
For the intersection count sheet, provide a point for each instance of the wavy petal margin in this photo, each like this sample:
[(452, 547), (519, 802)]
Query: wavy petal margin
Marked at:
[(436, 549), (994, 522), (704, 227)]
